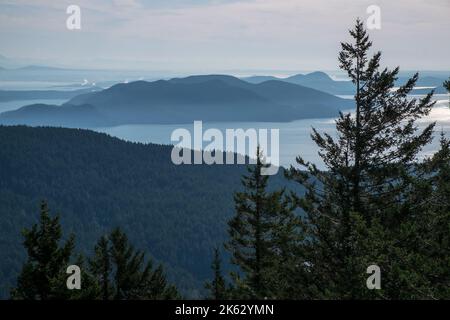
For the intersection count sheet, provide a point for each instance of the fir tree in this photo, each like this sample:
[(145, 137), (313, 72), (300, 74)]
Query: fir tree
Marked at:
[(249, 231), (288, 268), (90, 289), (446, 85), (217, 288), (262, 235), (368, 172), (429, 233), (44, 276), (100, 267), (124, 273)]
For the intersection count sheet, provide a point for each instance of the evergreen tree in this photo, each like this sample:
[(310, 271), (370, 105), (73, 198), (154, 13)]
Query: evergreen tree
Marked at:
[(44, 276), (288, 269), (132, 278), (90, 289), (446, 85), (249, 231), (429, 233), (369, 166), (261, 235), (100, 267), (217, 287)]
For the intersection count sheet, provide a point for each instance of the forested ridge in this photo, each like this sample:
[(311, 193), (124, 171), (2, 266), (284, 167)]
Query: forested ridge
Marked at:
[(96, 182), (377, 208)]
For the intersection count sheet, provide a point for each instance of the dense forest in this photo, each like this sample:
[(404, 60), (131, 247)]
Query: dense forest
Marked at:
[(377, 209), (95, 182), (312, 234)]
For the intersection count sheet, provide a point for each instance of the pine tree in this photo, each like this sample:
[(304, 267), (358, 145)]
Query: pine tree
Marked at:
[(249, 231), (288, 269), (90, 289), (262, 234), (368, 171), (429, 233), (133, 277), (437, 241), (100, 267), (217, 288), (44, 276), (446, 85)]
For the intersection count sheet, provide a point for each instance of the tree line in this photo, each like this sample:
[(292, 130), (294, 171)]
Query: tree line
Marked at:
[(116, 270), (377, 202)]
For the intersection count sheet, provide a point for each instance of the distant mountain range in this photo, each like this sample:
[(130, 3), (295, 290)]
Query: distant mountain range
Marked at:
[(12, 95), (183, 100), (33, 68), (317, 80), (323, 82)]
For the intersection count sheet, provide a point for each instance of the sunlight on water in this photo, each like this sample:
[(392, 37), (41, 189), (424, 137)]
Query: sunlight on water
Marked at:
[(440, 113), (295, 136)]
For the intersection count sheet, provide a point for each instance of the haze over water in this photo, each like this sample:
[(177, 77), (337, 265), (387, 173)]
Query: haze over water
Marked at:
[(295, 136)]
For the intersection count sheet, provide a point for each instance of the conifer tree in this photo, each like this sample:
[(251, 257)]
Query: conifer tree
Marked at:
[(261, 235), (43, 275), (90, 289), (288, 268), (428, 235), (123, 273), (249, 231), (217, 288), (446, 85), (368, 169), (100, 267)]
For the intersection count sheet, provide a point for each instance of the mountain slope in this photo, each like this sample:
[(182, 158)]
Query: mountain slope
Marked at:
[(207, 98), (304, 100), (321, 81), (53, 115), (173, 102), (316, 80), (96, 182)]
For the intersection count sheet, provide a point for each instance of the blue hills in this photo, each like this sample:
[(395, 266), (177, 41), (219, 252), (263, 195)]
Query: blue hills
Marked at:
[(321, 81), (183, 100)]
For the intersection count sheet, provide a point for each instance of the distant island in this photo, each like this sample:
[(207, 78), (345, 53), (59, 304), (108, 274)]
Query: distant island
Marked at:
[(12, 95), (323, 82), (183, 100)]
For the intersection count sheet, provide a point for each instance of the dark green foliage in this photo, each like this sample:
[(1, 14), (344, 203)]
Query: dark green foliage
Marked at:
[(376, 203), (262, 236), (116, 271), (429, 233), (101, 268), (123, 273), (249, 233), (447, 87), (356, 212), (43, 276), (175, 213), (217, 288)]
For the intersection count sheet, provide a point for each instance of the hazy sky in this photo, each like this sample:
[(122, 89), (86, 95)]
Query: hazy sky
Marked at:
[(217, 35)]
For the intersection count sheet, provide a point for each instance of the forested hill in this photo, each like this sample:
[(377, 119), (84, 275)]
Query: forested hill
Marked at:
[(209, 98), (96, 182)]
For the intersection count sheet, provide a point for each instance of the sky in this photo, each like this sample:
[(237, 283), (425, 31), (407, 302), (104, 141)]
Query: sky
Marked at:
[(219, 35)]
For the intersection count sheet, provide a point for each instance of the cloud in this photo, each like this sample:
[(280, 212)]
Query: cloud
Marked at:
[(234, 34)]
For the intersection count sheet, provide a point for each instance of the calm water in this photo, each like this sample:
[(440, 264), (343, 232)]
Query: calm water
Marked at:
[(14, 105), (294, 136)]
